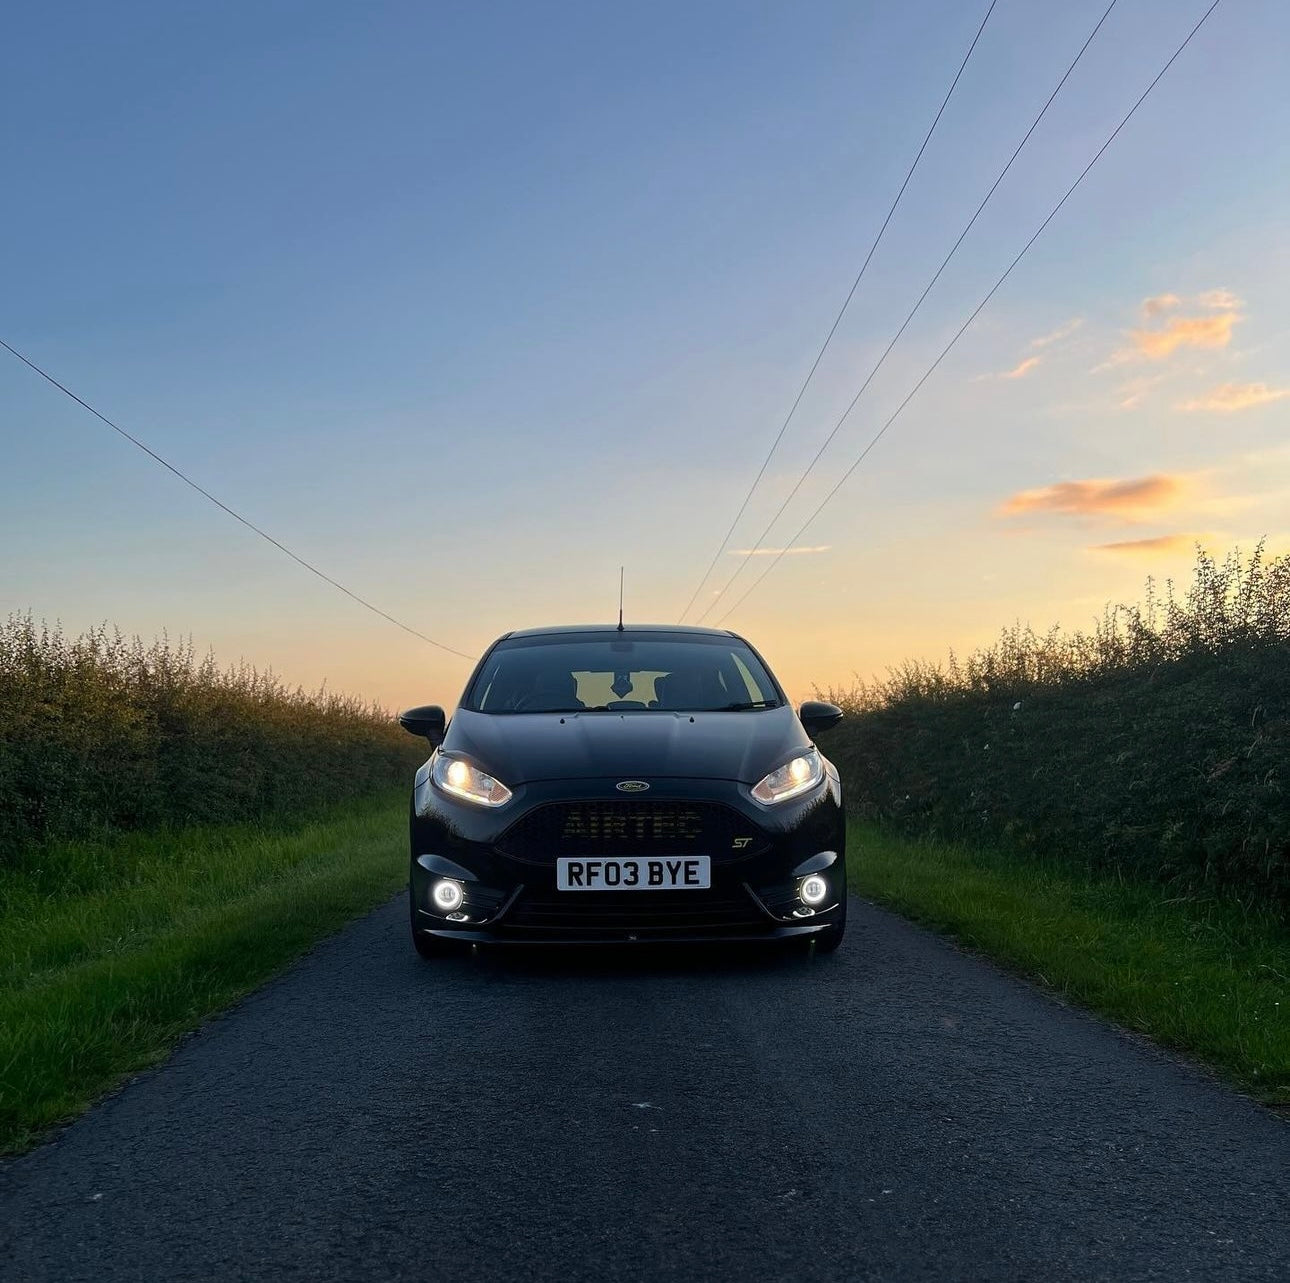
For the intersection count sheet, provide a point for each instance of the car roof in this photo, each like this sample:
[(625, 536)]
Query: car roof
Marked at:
[(679, 630)]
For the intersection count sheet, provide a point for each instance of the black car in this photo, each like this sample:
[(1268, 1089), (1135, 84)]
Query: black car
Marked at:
[(602, 784)]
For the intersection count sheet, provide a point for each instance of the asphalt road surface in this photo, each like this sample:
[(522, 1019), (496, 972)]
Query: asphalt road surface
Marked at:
[(898, 1111)]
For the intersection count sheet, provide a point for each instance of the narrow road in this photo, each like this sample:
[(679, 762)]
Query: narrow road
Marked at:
[(899, 1111)]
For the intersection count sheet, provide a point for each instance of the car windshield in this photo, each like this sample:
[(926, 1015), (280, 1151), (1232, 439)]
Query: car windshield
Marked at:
[(621, 672)]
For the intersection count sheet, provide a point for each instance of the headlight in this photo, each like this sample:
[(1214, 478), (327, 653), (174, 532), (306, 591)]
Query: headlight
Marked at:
[(792, 779), (456, 777)]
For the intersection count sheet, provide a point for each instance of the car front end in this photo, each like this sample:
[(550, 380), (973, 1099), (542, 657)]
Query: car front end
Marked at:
[(596, 824), (491, 875)]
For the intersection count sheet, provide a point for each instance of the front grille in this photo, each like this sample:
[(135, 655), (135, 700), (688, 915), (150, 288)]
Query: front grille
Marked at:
[(612, 827), (481, 901), (593, 911), (780, 899)]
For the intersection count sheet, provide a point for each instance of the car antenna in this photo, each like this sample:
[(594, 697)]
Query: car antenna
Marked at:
[(620, 599)]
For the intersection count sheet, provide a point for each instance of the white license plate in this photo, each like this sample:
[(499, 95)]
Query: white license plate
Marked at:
[(655, 873)]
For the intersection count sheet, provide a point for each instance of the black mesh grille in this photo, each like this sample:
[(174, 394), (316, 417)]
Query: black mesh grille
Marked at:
[(481, 901), (612, 827), (780, 899)]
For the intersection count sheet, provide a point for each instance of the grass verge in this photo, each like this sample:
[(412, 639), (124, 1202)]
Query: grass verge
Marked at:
[(1207, 977), (111, 951)]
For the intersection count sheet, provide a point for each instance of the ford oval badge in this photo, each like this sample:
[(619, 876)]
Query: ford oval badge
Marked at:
[(631, 786)]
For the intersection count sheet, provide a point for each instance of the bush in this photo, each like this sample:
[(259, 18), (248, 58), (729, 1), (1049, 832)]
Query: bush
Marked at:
[(1158, 744), (103, 733)]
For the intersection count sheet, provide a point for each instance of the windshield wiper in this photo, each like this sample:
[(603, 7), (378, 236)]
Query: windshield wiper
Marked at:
[(747, 704)]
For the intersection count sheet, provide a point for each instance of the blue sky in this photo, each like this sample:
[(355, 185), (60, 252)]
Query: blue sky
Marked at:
[(469, 304)]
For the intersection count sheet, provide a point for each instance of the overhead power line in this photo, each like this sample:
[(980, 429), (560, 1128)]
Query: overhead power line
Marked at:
[(237, 516), (895, 338), (873, 441), (837, 320)]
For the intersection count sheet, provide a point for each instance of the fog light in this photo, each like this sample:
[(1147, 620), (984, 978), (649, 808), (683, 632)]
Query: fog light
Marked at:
[(447, 895), (813, 890)]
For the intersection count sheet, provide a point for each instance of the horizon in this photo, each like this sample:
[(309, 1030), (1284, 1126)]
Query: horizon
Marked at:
[(1237, 557)]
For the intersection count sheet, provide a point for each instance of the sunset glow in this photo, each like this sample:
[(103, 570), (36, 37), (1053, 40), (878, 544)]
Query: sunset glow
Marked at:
[(471, 313)]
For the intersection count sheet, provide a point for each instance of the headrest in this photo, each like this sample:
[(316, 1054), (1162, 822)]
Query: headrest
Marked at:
[(682, 690), (562, 685)]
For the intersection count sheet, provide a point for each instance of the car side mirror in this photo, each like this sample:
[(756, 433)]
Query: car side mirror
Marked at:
[(428, 721), (818, 716)]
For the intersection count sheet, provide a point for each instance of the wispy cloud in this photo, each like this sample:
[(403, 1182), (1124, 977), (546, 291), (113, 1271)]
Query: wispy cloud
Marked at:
[(1185, 331), (1223, 300), (1134, 392), (775, 552), (1018, 371), (1099, 497), (1061, 332), (1164, 332), (1227, 398), (1022, 368), (1158, 303), (1028, 363), (1150, 547)]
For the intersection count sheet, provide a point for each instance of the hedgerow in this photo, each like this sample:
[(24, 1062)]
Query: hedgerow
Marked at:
[(103, 733), (1157, 744)]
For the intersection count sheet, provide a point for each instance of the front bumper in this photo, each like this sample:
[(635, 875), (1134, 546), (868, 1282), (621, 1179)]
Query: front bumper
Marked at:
[(505, 861)]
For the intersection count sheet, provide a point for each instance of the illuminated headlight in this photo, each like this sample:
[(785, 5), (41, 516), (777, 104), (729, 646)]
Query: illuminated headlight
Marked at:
[(447, 895), (792, 779), (814, 890), (456, 777)]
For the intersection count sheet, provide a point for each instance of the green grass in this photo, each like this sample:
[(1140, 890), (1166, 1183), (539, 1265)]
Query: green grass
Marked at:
[(111, 951), (1207, 977)]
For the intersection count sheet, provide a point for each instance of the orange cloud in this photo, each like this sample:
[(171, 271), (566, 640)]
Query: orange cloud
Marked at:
[(1185, 331), (1098, 497), (1149, 547), (1159, 303), (1018, 371), (1022, 368), (1229, 397)]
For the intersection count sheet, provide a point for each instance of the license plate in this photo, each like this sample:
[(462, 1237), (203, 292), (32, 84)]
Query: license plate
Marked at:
[(655, 873)]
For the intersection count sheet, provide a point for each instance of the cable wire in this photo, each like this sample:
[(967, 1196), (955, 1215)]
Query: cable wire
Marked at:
[(837, 320), (237, 516), (895, 338), (975, 313)]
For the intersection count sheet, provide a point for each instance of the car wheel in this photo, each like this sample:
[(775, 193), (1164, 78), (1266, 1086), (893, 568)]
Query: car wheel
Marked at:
[(430, 946), (829, 939)]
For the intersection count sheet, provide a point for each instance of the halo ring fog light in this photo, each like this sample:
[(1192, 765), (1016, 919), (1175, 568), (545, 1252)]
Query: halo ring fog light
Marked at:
[(447, 895), (814, 890)]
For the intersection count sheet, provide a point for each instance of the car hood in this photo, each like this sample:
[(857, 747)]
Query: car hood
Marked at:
[(525, 747)]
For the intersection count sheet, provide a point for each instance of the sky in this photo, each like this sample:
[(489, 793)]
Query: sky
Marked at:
[(469, 305)]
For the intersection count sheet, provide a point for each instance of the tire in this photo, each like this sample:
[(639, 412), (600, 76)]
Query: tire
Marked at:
[(431, 947), (827, 941)]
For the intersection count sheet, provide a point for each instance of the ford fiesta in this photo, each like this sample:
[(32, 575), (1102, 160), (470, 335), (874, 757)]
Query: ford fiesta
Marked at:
[(602, 785)]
